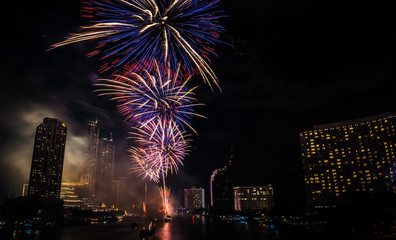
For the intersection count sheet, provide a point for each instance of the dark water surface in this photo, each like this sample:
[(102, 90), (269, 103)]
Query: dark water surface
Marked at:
[(180, 228)]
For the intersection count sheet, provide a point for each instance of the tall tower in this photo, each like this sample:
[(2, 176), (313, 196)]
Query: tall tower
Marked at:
[(221, 185), (90, 165), (47, 162), (106, 158), (105, 171)]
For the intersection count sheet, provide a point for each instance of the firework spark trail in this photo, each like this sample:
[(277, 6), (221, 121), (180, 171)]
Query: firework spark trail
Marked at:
[(159, 94), (141, 164), (165, 144), (144, 169), (162, 150), (165, 193), (160, 105), (179, 31)]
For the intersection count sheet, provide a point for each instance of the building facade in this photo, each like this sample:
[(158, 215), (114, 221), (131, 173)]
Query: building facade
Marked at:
[(48, 157), (89, 168), (70, 196), (119, 190), (194, 198), (221, 193), (106, 159), (253, 198), (342, 158), (105, 171)]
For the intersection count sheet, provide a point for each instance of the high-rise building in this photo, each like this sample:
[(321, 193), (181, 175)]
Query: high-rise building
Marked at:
[(221, 194), (89, 170), (212, 178), (119, 192), (48, 156), (253, 198), (105, 173), (346, 157), (107, 158), (194, 198)]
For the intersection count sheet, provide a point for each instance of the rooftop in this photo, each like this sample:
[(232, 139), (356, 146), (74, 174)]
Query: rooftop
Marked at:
[(352, 122)]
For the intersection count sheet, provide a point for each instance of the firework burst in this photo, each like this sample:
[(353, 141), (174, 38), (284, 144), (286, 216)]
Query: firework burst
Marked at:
[(159, 94), (162, 148), (141, 160), (165, 145), (141, 30)]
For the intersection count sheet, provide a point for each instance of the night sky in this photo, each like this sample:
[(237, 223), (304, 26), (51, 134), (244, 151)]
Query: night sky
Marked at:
[(293, 64)]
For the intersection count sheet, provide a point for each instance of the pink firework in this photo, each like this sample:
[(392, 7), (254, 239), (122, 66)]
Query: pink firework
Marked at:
[(146, 96)]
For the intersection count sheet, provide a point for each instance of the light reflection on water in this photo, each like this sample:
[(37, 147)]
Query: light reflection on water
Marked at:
[(24, 235), (165, 231), (180, 228)]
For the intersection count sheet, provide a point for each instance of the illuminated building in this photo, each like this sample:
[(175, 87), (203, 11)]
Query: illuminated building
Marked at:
[(347, 157), (212, 177), (221, 195), (70, 196), (47, 162), (194, 198), (253, 198), (89, 170), (107, 157), (105, 169)]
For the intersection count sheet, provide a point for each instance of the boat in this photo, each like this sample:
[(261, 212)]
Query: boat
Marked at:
[(167, 218), (150, 230)]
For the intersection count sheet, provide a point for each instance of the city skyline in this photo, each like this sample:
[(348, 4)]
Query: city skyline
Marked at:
[(317, 63)]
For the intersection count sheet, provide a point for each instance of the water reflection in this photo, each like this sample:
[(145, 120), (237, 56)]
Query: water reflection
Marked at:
[(180, 228), (166, 231), (199, 221), (26, 234)]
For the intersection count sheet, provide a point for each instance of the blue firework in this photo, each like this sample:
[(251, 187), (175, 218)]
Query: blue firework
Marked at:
[(145, 97), (130, 31)]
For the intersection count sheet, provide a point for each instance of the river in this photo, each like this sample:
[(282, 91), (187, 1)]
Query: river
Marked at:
[(180, 228)]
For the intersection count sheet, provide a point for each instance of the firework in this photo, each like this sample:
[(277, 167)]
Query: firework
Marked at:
[(165, 146), (162, 147), (165, 193), (159, 94), (141, 164), (141, 30)]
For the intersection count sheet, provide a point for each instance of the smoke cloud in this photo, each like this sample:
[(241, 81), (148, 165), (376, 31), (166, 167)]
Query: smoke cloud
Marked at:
[(17, 151)]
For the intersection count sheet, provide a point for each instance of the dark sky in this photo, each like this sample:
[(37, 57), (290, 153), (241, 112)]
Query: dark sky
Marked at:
[(294, 64)]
